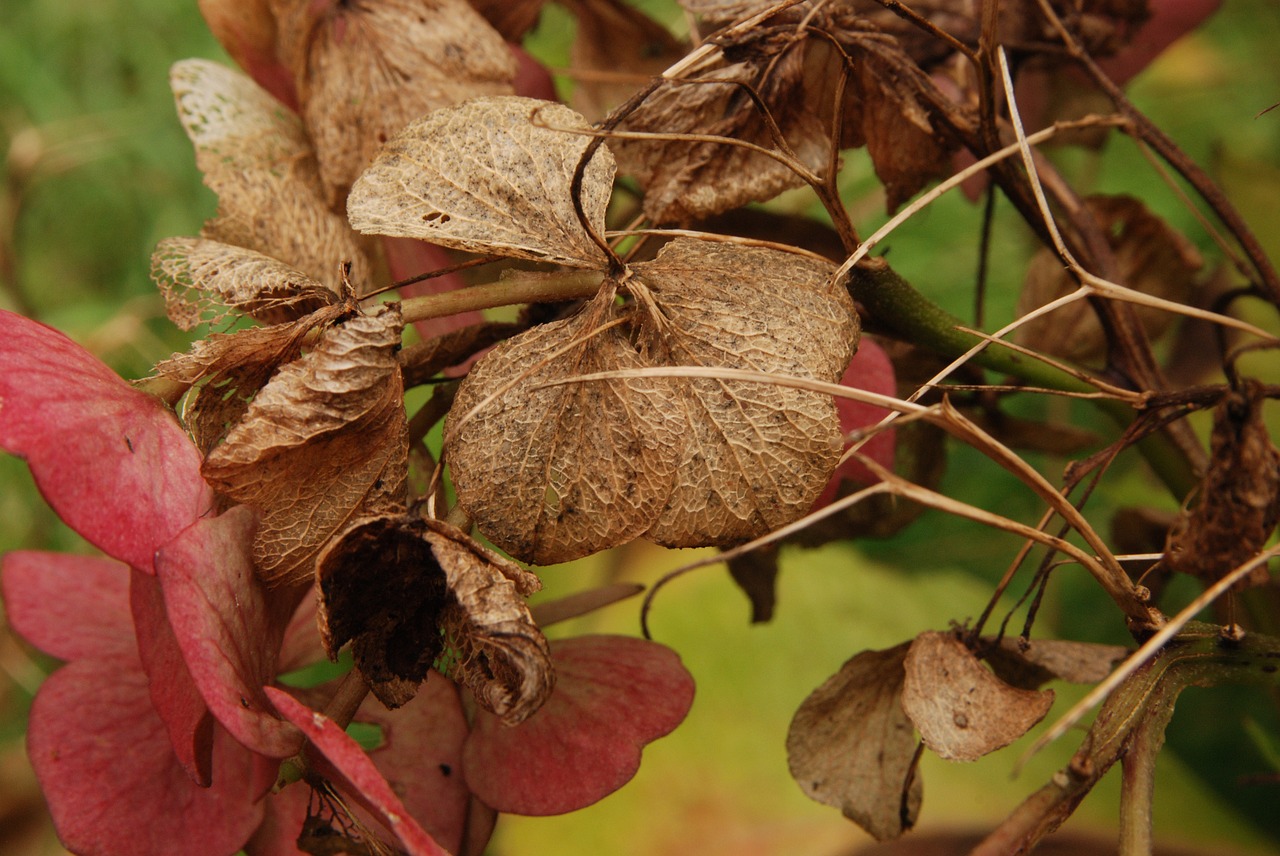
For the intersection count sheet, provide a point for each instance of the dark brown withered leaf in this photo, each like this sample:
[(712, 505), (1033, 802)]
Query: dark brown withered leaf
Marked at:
[(1039, 661), (205, 282), (551, 473), (1237, 505), (960, 708), (851, 746), (617, 50), (1151, 257), (410, 593), (756, 573), (404, 58), (490, 176), (255, 155), (323, 442)]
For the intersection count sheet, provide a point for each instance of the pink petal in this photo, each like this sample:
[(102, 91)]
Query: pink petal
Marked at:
[(247, 29), (872, 371), (113, 785), (112, 461), (69, 606), (228, 632), (174, 695), (532, 78), (301, 646), (421, 757), (355, 773), (613, 695)]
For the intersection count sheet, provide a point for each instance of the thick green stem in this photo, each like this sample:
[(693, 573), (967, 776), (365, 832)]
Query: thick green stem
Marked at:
[(912, 317), (511, 290)]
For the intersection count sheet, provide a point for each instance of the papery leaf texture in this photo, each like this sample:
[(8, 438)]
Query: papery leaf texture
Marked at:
[(613, 696), (406, 58), (228, 627), (205, 282), (324, 442), (555, 472), (490, 176), (961, 709), (111, 461), (256, 156), (851, 746)]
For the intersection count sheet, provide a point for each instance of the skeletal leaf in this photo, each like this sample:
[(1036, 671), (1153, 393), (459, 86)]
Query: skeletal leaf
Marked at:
[(323, 442), (851, 746), (755, 456), (256, 156), (364, 71), (552, 473), (490, 176), (961, 709), (1238, 503), (204, 281), (406, 591)]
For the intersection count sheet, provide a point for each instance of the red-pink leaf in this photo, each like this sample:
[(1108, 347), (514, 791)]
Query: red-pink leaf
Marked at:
[(112, 461), (69, 606), (409, 257), (613, 695), (872, 371), (174, 695), (113, 785), (358, 777), (227, 628), (421, 757)]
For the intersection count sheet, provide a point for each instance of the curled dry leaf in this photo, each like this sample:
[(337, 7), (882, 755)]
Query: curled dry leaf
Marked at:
[(1039, 661), (851, 746), (203, 282), (490, 176), (554, 472), (410, 593), (323, 442), (961, 709), (256, 156), (405, 58), (1238, 503), (1151, 257)]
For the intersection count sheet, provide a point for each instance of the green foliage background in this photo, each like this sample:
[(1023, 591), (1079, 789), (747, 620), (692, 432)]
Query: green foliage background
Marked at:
[(96, 170)]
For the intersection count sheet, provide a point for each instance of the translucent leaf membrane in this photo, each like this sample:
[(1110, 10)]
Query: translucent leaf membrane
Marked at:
[(491, 176), (256, 156), (205, 282), (323, 442)]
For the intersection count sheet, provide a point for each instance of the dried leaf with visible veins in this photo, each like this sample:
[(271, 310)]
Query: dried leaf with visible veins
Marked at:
[(483, 177), (204, 281), (1030, 664), (255, 155), (756, 456), (1238, 502), (323, 442), (365, 70), (851, 746), (554, 472), (405, 590), (961, 709)]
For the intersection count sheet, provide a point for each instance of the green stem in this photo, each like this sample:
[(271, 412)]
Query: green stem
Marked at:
[(526, 288), (914, 318)]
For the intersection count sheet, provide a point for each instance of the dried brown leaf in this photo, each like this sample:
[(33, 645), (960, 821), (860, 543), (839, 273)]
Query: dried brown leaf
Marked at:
[(851, 746), (511, 18), (409, 593), (1039, 661), (203, 282), (755, 456), (551, 473), (1238, 503), (490, 176), (366, 70), (617, 50), (756, 573), (960, 708), (323, 442), (1151, 257), (256, 156)]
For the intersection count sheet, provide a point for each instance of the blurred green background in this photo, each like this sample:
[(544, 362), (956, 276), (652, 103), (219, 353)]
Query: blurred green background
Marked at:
[(96, 170)]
